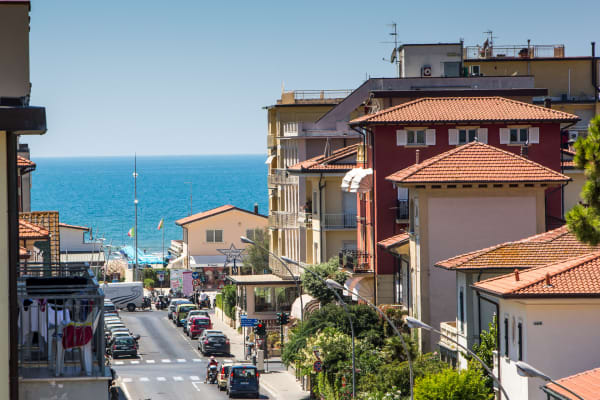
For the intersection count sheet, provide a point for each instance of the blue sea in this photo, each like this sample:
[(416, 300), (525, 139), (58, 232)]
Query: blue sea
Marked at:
[(98, 192)]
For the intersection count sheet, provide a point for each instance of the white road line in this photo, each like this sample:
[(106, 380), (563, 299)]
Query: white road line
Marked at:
[(177, 378), (135, 362), (165, 360), (144, 379), (161, 379), (127, 380), (150, 361), (197, 360), (181, 360), (194, 378), (119, 362), (194, 384)]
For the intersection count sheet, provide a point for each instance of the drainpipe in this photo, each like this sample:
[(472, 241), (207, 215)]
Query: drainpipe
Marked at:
[(321, 187), (13, 261)]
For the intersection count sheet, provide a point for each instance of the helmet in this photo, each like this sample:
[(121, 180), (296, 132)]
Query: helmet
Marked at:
[(212, 358)]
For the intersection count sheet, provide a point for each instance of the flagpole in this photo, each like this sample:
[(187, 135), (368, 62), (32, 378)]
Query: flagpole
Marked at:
[(135, 201), (163, 243)]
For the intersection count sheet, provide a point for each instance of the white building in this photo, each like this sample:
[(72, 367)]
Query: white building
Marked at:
[(75, 248), (430, 60)]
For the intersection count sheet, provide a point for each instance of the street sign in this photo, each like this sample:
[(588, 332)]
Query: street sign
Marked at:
[(317, 366), (160, 275), (248, 322), (195, 275)]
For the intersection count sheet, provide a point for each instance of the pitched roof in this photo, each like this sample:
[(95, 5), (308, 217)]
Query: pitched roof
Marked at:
[(27, 230), (542, 249), (341, 160), (586, 384), (24, 162), (477, 162), (212, 213), (394, 241), (575, 277), (464, 110), (83, 228)]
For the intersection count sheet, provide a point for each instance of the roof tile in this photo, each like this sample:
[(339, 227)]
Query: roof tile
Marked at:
[(395, 240), (586, 384), (27, 230), (329, 163), (213, 212)]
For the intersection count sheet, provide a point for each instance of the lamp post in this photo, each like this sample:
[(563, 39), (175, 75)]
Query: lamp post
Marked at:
[(332, 283), (527, 370), (339, 298), (415, 323), (244, 239), (135, 202)]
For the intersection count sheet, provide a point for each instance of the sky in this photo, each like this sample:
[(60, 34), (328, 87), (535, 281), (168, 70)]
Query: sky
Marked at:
[(157, 77)]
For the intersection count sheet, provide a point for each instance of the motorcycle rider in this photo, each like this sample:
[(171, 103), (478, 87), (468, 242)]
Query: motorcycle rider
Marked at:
[(203, 298), (212, 361)]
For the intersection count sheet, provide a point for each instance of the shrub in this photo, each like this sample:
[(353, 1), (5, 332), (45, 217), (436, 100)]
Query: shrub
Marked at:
[(149, 283), (229, 300), (452, 385), (219, 300)]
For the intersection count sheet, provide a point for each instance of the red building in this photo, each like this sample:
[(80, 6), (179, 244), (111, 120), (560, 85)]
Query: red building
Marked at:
[(398, 136)]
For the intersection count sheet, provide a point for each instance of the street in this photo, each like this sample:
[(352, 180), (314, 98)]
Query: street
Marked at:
[(169, 366)]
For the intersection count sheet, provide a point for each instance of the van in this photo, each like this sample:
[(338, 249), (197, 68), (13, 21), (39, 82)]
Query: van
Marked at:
[(129, 295), (243, 379)]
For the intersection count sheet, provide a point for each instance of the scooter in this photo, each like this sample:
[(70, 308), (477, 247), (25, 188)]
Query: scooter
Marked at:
[(212, 374)]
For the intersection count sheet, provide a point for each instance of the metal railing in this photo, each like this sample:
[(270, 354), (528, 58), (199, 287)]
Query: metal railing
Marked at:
[(281, 177), (515, 51), (451, 335), (355, 260), (402, 209), (291, 128), (60, 322), (339, 221), (321, 94), (283, 220), (277, 268), (305, 219)]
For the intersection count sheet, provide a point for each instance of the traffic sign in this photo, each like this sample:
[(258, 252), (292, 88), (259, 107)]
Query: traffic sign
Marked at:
[(317, 366), (195, 275), (248, 321), (160, 275)]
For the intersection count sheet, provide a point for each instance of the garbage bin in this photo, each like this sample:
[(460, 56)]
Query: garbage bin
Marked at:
[(260, 360)]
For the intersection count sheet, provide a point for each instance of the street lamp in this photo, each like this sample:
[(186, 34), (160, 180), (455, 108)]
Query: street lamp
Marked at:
[(244, 239), (527, 370), (415, 323), (334, 284), (344, 305)]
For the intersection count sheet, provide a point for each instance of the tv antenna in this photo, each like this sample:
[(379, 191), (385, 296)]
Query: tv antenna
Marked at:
[(395, 56)]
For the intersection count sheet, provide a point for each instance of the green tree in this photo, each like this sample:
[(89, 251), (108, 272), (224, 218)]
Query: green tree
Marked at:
[(450, 384), (229, 300), (488, 342), (256, 260), (584, 220), (316, 288)]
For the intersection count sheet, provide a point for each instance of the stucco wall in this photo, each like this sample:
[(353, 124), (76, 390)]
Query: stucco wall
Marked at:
[(73, 240), (573, 189), (14, 47), (415, 57), (233, 223)]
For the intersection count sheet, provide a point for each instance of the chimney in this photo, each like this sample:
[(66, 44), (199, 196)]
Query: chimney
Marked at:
[(516, 275), (548, 102), (548, 283), (256, 208), (417, 156)]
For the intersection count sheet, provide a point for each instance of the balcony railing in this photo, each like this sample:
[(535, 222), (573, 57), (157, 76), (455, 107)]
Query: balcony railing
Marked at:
[(339, 221), (271, 141), (515, 51), (402, 210), (281, 177), (60, 326), (321, 94), (278, 269), (449, 329), (283, 220), (305, 219), (356, 261)]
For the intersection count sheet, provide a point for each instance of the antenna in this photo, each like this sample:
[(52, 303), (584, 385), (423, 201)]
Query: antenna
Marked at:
[(395, 56)]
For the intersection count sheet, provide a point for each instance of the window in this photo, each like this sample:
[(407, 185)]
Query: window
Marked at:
[(461, 310), (520, 333), (214, 235), (274, 299), (519, 135), (250, 233), (415, 137), (506, 336), (475, 70), (466, 135)]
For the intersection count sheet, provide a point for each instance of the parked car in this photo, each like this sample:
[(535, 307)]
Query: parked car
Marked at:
[(182, 311), (110, 307), (224, 374), (173, 306), (191, 313), (124, 346), (243, 379), (198, 325), (214, 343)]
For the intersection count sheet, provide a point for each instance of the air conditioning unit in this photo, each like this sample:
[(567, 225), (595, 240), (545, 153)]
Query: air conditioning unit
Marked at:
[(573, 135), (426, 71)]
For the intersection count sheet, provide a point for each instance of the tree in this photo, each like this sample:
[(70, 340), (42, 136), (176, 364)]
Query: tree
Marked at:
[(584, 219), (488, 342), (315, 287), (256, 258), (229, 300), (450, 384)]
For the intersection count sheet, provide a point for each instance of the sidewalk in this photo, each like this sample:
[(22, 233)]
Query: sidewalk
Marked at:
[(277, 382)]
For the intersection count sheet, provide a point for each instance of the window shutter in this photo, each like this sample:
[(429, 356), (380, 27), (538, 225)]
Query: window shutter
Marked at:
[(504, 136), (452, 137), (401, 137), (534, 135), (482, 135), (430, 137)]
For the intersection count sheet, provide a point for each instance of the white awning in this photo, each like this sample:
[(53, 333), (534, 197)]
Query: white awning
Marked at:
[(269, 159), (362, 285), (348, 178), (362, 182), (295, 312)]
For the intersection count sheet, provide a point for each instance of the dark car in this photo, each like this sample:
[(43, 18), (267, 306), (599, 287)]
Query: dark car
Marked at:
[(214, 343), (243, 379), (124, 346)]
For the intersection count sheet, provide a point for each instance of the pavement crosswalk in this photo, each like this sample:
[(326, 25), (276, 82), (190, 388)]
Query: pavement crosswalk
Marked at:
[(177, 378), (163, 361)]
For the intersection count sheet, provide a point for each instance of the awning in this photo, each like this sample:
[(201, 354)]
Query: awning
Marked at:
[(295, 312), (269, 159), (358, 180), (363, 285)]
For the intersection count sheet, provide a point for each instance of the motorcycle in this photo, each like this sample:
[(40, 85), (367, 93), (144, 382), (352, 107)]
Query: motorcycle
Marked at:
[(147, 303), (205, 303), (212, 374), (161, 303)]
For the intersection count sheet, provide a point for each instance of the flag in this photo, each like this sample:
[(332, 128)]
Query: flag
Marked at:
[(160, 224), (131, 233)]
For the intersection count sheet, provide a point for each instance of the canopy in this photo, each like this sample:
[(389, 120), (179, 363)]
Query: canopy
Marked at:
[(306, 298), (358, 180), (362, 285)]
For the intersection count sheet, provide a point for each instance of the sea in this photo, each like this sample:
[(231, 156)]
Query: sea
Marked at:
[(98, 192)]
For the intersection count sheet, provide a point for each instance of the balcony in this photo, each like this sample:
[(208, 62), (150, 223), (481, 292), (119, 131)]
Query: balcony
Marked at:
[(339, 221), (401, 210), (305, 219), (355, 261), (515, 51), (281, 177), (283, 220), (278, 269), (271, 141), (449, 329)]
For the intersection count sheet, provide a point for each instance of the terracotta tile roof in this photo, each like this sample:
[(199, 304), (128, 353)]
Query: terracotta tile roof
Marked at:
[(464, 110), (27, 230), (543, 249), (83, 228), (24, 162), (23, 252), (575, 277), (477, 162), (341, 160), (394, 241), (211, 213), (586, 384), (568, 152)]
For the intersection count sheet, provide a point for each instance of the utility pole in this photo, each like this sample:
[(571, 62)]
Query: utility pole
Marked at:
[(135, 202), (191, 203)]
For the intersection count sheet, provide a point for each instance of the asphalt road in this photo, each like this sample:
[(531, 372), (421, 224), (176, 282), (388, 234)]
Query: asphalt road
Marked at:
[(169, 366)]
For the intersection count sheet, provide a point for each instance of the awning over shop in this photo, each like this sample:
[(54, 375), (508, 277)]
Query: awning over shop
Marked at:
[(358, 180), (265, 280), (362, 285), (269, 159), (397, 244)]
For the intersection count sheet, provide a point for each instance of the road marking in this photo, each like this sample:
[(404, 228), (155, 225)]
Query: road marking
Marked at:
[(197, 360), (196, 387), (161, 379), (135, 362), (149, 361), (127, 380), (181, 360), (194, 378), (119, 362), (177, 378), (144, 379), (165, 360)]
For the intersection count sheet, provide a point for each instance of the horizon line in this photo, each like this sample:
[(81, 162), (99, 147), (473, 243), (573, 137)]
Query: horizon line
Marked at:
[(150, 155)]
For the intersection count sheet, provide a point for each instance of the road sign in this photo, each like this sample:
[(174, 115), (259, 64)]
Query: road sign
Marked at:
[(160, 275), (317, 366), (195, 275), (248, 321)]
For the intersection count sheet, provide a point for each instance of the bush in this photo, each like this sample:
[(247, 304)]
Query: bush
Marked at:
[(149, 283), (219, 300), (229, 300), (452, 385)]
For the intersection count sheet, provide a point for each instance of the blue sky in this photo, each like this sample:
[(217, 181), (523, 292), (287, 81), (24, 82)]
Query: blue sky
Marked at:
[(191, 77)]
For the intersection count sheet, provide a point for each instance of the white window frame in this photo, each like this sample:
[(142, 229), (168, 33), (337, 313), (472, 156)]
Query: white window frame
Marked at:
[(468, 130), (519, 131), (415, 132)]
